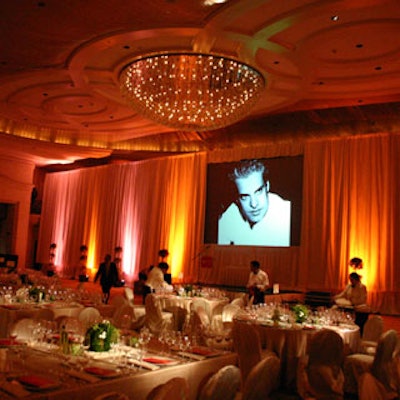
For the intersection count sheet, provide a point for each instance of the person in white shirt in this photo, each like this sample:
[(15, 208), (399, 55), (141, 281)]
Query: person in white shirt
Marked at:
[(354, 294), (156, 281), (257, 283), (257, 217)]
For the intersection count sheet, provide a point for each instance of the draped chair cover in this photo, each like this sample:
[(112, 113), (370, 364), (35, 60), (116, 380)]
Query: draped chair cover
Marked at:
[(382, 365), (373, 330), (89, 316), (71, 324), (129, 295), (174, 389), (320, 374), (200, 324), (224, 384), (385, 365), (247, 344), (118, 300), (229, 311), (263, 379), (23, 329), (124, 316), (239, 301), (156, 319), (369, 388)]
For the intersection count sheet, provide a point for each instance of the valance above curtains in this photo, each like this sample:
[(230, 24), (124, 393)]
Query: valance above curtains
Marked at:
[(350, 208)]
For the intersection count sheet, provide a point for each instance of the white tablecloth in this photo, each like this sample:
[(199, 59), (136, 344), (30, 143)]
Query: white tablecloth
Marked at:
[(136, 385), (9, 313), (290, 343)]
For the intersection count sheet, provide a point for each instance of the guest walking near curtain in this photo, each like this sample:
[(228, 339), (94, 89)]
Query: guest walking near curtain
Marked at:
[(108, 275)]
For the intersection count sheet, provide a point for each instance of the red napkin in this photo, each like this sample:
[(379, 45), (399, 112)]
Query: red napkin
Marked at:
[(157, 360), (99, 371), (36, 381), (9, 342), (201, 351)]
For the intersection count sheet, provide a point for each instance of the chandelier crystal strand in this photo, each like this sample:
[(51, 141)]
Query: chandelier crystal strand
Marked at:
[(191, 91)]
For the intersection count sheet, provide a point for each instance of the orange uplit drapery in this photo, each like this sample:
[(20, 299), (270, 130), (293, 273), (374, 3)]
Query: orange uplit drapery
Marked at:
[(350, 208)]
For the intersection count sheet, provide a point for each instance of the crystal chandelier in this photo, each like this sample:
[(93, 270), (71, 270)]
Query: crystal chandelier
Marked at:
[(191, 92)]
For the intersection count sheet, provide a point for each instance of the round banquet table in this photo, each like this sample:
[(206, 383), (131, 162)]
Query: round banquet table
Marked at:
[(290, 343)]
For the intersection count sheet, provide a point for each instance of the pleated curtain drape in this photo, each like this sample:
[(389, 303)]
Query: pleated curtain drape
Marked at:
[(350, 208)]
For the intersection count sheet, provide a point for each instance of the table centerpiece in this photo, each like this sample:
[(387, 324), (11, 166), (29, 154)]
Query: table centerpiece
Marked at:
[(100, 336)]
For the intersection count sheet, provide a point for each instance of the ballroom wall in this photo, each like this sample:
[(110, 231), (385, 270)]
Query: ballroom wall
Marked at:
[(16, 179), (350, 208)]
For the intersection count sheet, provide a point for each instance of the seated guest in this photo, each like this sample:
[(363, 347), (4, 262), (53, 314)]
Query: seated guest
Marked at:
[(155, 280), (257, 283)]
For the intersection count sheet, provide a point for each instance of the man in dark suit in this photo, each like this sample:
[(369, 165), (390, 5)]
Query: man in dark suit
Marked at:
[(108, 275)]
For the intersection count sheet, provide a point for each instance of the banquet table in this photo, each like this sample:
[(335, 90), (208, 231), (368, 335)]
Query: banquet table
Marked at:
[(10, 313), (290, 342), (71, 383)]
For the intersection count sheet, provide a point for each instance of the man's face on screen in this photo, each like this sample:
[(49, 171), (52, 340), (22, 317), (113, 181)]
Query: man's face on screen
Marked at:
[(253, 196)]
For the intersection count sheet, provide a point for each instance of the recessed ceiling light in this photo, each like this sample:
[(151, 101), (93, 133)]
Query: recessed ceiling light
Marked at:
[(335, 18)]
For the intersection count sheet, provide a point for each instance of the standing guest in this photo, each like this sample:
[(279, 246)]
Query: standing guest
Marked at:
[(354, 296), (108, 275), (257, 283), (118, 262), (82, 269)]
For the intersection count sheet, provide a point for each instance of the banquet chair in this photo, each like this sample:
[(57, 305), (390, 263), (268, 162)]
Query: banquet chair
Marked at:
[(174, 389), (229, 311), (22, 329), (199, 302), (89, 316), (118, 300), (123, 316), (369, 388), (71, 324), (224, 384), (263, 379), (156, 319), (129, 295), (139, 308), (247, 344), (320, 374), (239, 301), (373, 329), (380, 365), (200, 325)]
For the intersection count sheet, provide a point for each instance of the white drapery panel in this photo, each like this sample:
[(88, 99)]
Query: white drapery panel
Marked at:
[(141, 207), (350, 208)]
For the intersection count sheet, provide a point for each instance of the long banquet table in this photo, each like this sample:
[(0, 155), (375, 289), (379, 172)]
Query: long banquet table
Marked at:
[(290, 342), (136, 383)]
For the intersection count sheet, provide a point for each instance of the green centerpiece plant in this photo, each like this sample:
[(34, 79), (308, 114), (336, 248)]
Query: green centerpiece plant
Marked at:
[(301, 312), (99, 337)]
